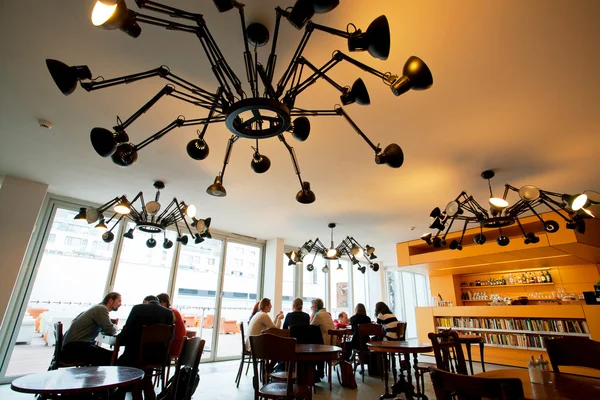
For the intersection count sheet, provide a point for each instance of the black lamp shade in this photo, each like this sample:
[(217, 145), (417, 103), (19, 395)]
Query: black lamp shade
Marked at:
[(358, 93), (427, 238), (260, 163), (392, 155), (129, 234), (310, 267), (198, 238), (125, 155), (81, 215), (151, 243), (453, 245), (324, 6), (306, 196), (301, 129), (362, 269), (108, 237), (217, 189), (223, 5), (167, 244), (105, 142), (435, 213), (301, 13), (121, 18), (206, 234), (551, 226), (66, 77), (375, 267), (183, 239), (197, 149), (376, 40), (479, 239), (503, 240), (416, 76)]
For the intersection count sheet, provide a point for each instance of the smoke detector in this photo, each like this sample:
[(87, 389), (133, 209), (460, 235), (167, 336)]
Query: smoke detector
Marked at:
[(44, 123)]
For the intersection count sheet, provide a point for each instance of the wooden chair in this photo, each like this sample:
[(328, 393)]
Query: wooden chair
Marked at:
[(277, 332), (449, 386), (246, 357), (269, 348), (401, 330), (448, 352), (573, 351), (187, 367), (57, 361), (306, 334), (153, 356), (365, 330)]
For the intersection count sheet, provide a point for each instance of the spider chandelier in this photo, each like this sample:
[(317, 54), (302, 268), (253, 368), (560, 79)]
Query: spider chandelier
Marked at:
[(348, 247), (262, 112), (574, 209), (147, 218)]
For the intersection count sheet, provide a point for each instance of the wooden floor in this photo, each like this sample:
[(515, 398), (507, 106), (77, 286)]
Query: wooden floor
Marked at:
[(218, 378)]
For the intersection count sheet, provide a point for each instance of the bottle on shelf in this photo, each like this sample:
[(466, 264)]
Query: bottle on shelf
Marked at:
[(532, 278), (503, 281), (524, 278), (543, 277), (548, 277), (511, 280)]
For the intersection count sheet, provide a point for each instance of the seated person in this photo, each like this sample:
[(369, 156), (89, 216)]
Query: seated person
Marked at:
[(297, 316), (261, 320), (78, 342), (149, 313), (254, 311), (389, 321), (342, 321), (322, 319), (360, 317), (180, 330)]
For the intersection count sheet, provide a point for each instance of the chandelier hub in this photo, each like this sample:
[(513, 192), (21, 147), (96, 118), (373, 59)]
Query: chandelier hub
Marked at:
[(258, 118), (149, 227), (497, 222)]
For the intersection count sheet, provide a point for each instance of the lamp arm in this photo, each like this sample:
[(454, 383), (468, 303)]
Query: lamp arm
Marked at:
[(175, 124), (272, 56), (265, 80), (448, 230), (210, 115), (116, 223), (108, 205), (203, 121), (183, 218), (197, 101), (520, 226), (294, 61), (328, 29), (167, 90), (555, 210), (294, 160), (250, 71), (170, 11), (317, 73), (165, 211), (163, 23), (341, 112), (364, 67), (297, 112), (230, 144)]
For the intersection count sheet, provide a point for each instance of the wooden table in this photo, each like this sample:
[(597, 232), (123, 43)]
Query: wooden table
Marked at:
[(468, 340), (563, 386), (405, 347), (81, 380), (308, 354)]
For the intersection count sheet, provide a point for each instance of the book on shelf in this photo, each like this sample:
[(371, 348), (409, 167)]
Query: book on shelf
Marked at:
[(517, 324)]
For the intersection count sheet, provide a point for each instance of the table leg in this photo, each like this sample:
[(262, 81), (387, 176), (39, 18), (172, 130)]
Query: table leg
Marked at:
[(481, 355), (387, 394), (468, 346), (420, 393), (405, 385)]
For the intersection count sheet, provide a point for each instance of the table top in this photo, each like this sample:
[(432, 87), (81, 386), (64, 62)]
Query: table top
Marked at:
[(563, 386), (316, 348), (77, 380), (400, 346)]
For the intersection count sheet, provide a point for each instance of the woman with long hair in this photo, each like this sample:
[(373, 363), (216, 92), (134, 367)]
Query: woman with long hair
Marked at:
[(386, 317), (261, 320), (360, 317)]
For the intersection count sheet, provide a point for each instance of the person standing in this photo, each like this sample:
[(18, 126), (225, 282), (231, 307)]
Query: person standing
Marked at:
[(78, 341), (180, 331), (389, 321), (261, 320), (297, 316)]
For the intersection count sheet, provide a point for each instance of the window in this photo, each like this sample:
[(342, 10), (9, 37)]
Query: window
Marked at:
[(339, 287), (51, 238), (313, 283), (407, 290), (73, 241), (359, 290), (211, 261), (287, 291)]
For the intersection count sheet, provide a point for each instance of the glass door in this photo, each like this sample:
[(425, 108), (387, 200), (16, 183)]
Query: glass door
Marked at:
[(239, 294)]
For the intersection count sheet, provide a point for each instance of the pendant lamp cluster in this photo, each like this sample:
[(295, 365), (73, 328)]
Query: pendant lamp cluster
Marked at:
[(266, 108), (148, 218), (574, 209), (348, 247)]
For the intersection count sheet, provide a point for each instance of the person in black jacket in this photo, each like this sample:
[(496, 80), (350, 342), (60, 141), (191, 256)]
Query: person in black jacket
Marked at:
[(149, 313), (297, 316), (360, 317)]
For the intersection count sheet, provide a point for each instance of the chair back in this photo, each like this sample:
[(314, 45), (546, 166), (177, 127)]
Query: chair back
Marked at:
[(277, 332), (448, 352), (401, 330), (449, 386), (573, 351), (337, 337), (306, 334), (58, 342), (267, 347), (367, 330), (244, 350), (188, 362), (154, 346)]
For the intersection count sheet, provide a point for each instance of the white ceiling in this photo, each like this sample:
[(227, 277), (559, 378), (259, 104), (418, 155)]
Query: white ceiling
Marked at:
[(516, 89)]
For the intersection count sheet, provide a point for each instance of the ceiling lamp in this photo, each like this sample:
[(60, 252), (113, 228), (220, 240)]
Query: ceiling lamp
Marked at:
[(349, 247), (574, 209), (148, 218), (266, 109)]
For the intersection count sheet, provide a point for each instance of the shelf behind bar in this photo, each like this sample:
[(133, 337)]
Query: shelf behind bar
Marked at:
[(517, 331), (516, 285)]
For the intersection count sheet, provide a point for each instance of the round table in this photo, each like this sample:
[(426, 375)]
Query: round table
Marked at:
[(563, 386), (307, 354), (406, 347), (77, 380)]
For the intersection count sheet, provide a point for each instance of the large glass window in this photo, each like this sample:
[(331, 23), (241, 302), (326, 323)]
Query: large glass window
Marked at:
[(240, 287), (313, 282), (287, 290), (71, 277), (359, 290), (338, 277), (142, 270), (407, 290)]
